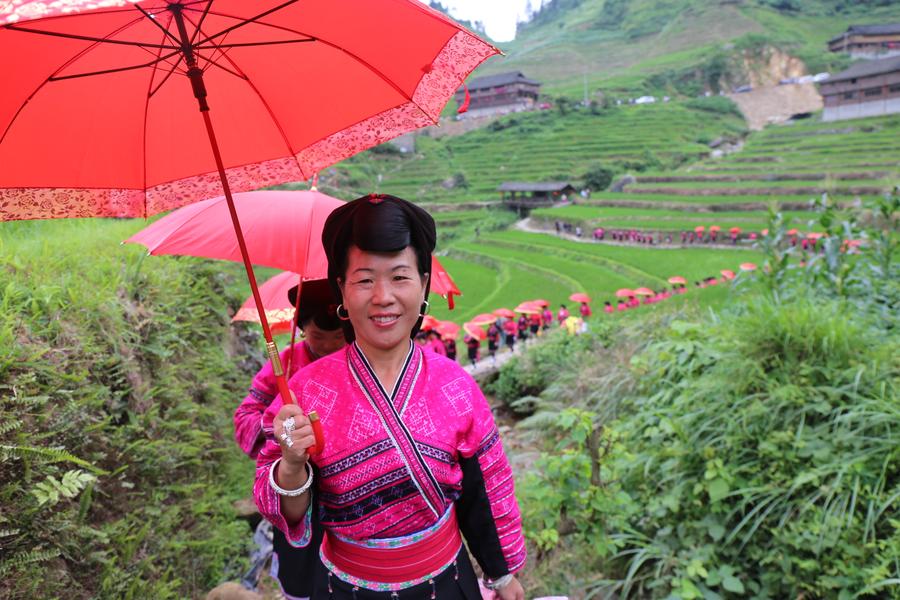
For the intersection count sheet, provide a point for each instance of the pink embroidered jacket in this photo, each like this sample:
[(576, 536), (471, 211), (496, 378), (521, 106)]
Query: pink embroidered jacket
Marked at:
[(395, 461), (248, 416)]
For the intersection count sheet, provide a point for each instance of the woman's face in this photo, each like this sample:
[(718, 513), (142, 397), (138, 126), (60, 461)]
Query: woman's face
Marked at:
[(382, 293), (323, 342)]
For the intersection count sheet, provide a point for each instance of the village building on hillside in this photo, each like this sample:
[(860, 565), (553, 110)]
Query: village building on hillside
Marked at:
[(523, 196), (499, 94), (868, 41), (867, 89)]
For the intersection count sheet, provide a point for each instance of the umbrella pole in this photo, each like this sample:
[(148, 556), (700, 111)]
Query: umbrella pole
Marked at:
[(195, 74)]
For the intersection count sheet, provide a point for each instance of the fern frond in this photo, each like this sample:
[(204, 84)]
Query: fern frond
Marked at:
[(50, 455), (26, 558)]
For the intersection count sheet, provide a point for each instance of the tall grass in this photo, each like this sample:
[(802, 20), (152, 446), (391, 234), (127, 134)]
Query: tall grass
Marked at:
[(118, 378)]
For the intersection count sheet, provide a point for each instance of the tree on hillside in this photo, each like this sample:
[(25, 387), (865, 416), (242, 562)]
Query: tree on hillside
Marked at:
[(598, 177)]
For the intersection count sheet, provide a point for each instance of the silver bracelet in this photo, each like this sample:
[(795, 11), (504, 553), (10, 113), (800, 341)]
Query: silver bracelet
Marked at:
[(299, 491), (496, 584)]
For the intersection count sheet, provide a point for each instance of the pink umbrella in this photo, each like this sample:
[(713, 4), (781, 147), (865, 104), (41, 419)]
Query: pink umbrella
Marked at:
[(483, 319), (448, 329), (727, 274), (715, 228), (505, 313), (528, 308), (624, 293), (643, 291), (677, 279), (748, 266), (580, 297), (699, 228), (475, 331)]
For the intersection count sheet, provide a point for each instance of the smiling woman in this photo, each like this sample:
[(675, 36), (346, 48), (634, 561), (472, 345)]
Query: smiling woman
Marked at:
[(414, 461)]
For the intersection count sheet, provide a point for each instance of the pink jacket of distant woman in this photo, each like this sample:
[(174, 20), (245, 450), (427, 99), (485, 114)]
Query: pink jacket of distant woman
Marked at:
[(248, 416)]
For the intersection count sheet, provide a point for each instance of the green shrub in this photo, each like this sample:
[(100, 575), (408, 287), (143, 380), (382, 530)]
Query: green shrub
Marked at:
[(598, 177), (715, 104)]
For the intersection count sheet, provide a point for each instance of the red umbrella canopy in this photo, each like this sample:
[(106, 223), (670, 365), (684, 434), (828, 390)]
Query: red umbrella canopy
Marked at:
[(16, 11), (677, 279), (429, 322), (643, 291), (541, 302), (699, 228), (715, 228), (475, 331), (441, 282), (734, 230), (624, 293), (505, 313), (748, 266), (447, 329), (580, 297), (528, 308), (274, 294), (283, 230), (99, 120), (727, 274), (484, 319)]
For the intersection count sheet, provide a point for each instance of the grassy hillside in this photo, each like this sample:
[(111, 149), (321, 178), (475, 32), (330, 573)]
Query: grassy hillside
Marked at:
[(619, 45), (547, 145)]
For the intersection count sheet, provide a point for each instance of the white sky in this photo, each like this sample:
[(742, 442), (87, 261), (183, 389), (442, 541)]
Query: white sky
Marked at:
[(499, 16)]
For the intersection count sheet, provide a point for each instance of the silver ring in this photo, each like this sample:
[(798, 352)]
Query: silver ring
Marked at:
[(285, 435), (289, 424), (289, 442)]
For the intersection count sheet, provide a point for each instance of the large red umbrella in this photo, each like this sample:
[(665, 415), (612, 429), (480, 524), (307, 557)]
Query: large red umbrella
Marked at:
[(17, 11), (677, 279), (95, 119), (528, 308), (624, 293), (505, 313), (283, 230)]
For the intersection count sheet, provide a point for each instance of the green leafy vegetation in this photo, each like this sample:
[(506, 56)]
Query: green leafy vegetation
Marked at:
[(748, 452), (117, 383)]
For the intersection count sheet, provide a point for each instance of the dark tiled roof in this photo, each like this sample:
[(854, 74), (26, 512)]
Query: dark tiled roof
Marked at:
[(543, 186), (887, 29), (867, 68), (490, 81)]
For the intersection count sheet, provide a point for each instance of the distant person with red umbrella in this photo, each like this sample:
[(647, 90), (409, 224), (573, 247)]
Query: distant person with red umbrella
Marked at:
[(585, 310), (510, 329), (383, 392), (473, 345), (608, 308), (534, 324), (493, 338), (562, 314), (322, 334), (522, 326), (547, 317)]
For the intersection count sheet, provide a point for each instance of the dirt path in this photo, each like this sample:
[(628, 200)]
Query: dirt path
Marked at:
[(527, 225)]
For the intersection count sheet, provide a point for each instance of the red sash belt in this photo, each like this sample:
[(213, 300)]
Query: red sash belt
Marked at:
[(405, 560)]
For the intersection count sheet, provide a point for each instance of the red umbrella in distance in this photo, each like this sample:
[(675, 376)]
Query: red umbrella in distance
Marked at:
[(748, 266), (715, 228), (765, 232), (541, 302), (483, 319), (447, 329), (528, 308), (580, 297), (727, 274), (793, 231), (475, 331), (441, 282), (505, 313), (699, 228), (814, 235), (677, 279), (624, 293), (735, 230), (97, 122), (429, 322), (274, 293), (643, 291)]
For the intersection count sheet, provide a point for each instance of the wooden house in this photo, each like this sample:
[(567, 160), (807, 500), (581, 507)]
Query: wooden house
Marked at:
[(868, 41), (499, 94), (869, 88)]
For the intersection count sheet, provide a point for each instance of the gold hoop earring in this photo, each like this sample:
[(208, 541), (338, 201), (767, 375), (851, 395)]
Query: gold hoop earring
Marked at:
[(337, 311), (423, 310)]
